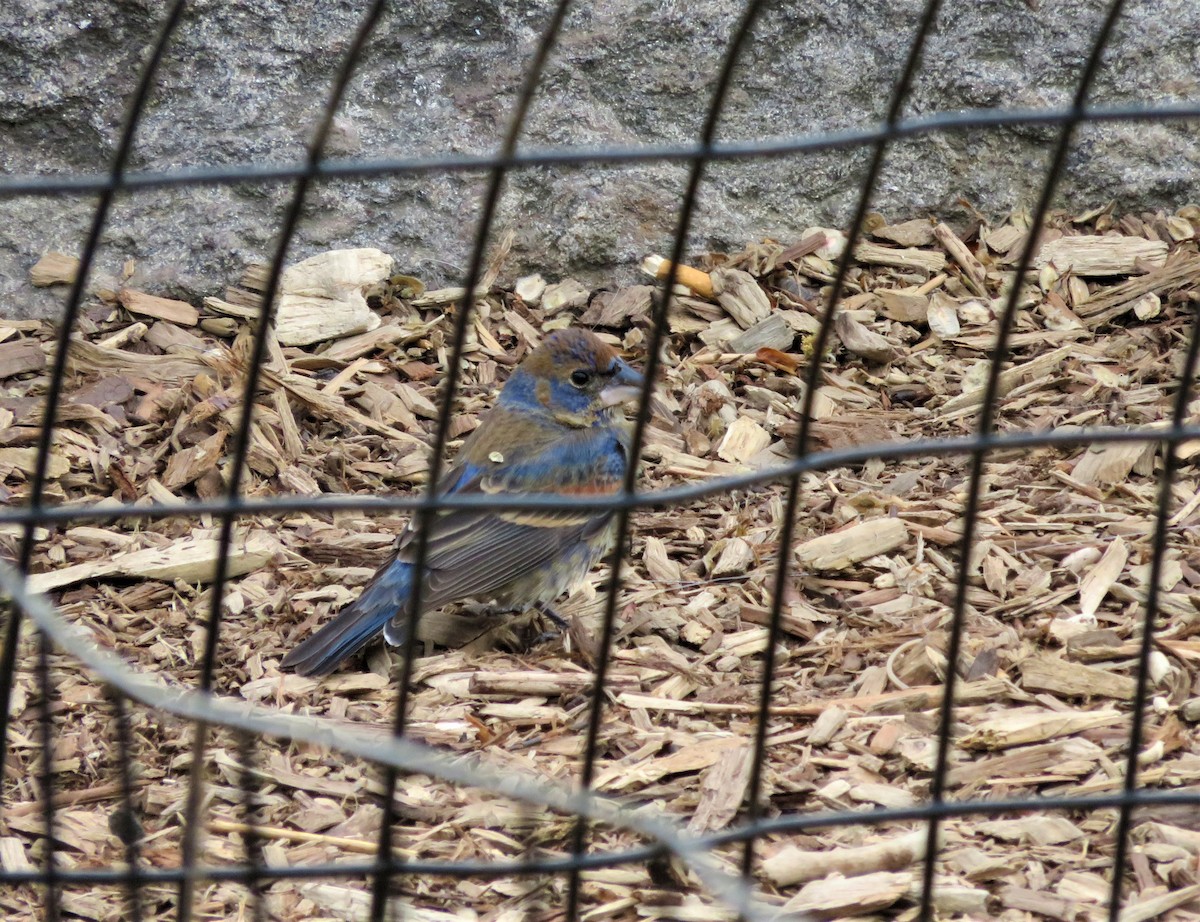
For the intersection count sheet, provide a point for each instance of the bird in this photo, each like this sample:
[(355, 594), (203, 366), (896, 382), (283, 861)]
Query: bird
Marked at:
[(558, 426)]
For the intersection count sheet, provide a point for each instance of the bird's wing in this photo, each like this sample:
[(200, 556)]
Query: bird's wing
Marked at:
[(473, 553)]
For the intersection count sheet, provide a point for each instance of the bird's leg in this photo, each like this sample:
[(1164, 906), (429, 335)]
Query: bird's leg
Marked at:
[(559, 621)]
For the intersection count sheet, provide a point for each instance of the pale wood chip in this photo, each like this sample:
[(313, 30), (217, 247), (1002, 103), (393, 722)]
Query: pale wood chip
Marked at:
[(722, 788), (25, 459), (12, 855), (743, 440), (1032, 725), (192, 463), (169, 309), (741, 296), (915, 233), (690, 758), (54, 269), (850, 545), (1101, 256), (1034, 830), (908, 258), (17, 358), (1142, 910), (904, 306), (792, 865), (1101, 578), (850, 896), (1062, 677), (191, 559), (973, 272), (862, 341)]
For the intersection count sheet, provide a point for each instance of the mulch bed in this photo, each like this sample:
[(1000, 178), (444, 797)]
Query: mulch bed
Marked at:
[(1058, 577)]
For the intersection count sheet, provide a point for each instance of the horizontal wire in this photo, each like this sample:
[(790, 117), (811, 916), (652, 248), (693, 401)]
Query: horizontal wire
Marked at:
[(396, 752), (602, 860), (818, 461), (231, 174)]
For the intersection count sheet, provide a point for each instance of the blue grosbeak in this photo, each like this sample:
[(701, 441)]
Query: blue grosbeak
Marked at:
[(557, 427)]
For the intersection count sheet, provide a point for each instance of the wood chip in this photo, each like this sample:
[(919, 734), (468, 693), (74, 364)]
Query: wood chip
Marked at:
[(915, 233), (1154, 907), (1102, 256), (973, 272), (872, 254), (688, 759), (792, 865), (850, 896), (1033, 369), (862, 341), (1101, 578), (904, 306), (722, 789), (1032, 725), (942, 316), (24, 459), (743, 440), (193, 463), (191, 559), (320, 298), (138, 302), (772, 333), (54, 269), (1108, 465), (741, 296), (851, 545), (1033, 830), (17, 358), (1076, 680)]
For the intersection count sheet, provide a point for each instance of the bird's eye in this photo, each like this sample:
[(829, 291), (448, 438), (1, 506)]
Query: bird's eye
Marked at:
[(580, 377)]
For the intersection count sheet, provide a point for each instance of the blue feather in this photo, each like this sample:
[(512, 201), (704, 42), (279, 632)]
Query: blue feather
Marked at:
[(357, 624)]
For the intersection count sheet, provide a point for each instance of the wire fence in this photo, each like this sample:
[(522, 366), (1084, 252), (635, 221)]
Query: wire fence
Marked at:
[(397, 755)]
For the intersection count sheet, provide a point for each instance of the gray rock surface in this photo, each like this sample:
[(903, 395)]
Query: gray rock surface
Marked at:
[(245, 83)]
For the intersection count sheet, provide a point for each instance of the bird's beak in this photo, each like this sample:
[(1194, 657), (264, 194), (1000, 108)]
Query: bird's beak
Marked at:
[(626, 385)]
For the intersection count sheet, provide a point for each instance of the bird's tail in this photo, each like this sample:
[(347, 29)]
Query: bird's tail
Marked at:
[(354, 627)]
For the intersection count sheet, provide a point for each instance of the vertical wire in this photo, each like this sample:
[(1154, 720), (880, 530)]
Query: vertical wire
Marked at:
[(46, 739), (191, 831), (900, 94), (248, 783), (1157, 557), (987, 418), (127, 821), (653, 347), (382, 882), (58, 370)]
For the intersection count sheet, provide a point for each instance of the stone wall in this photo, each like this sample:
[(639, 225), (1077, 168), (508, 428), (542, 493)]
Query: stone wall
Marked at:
[(244, 83)]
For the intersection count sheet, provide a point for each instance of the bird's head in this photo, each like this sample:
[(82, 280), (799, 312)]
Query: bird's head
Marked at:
[(572, 374)]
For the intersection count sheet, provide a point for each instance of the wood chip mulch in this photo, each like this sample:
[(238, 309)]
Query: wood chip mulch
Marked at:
[(349, 394)]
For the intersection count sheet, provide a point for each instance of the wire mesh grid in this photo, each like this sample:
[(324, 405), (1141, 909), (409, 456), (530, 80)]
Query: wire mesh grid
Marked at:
[(397, 756)]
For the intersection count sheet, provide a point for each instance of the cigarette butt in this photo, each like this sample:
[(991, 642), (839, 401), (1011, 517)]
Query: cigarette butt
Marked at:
[(697, 280)]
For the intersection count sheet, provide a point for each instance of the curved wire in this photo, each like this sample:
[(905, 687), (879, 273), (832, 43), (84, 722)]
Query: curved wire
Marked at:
[(508, 147), (388, 866), (653, 349), (987, 418), (1158, 553), (917, 126), (203, 708), (785, 825), (241, 444), (647, 499), (812, 383), (37, 484)]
